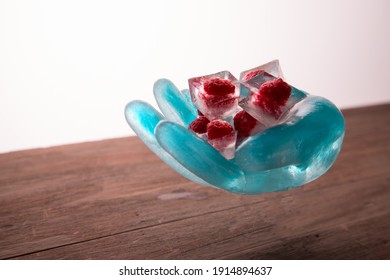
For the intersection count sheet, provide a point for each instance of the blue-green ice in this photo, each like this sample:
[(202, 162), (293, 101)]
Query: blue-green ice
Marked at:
[(282, 157)]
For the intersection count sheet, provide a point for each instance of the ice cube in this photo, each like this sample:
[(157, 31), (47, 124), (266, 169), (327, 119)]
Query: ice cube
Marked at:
[(246, 126), (215, 95), (225, 145), (254, 83), (272, 68), (222, 137), (269, 102)]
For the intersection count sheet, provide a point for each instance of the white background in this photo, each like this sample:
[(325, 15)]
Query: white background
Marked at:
[(68, 68)]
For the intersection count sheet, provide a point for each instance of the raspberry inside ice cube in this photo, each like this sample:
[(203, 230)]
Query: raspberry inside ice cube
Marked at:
[(216, 95), (272, 96), (218, 87), (246, 125), (222, 137), (254, 83), (269, 102)]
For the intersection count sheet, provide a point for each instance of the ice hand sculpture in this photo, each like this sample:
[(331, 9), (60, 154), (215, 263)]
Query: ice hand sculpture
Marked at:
[(249, 136)]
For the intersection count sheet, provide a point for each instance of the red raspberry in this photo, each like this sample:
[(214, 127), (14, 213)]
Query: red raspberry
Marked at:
[(272, 95), (214, 101), (276, 90), (252, 74), (199, 125), (244, 123), (217, 86), (218, 129)]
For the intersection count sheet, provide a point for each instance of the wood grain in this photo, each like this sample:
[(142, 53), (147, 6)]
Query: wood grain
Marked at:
[(114, 199)]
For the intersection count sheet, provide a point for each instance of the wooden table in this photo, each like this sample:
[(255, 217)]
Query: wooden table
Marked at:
[(115, 199)]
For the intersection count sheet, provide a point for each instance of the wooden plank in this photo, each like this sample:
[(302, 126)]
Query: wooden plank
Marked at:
[(104, 200), (233, 232)]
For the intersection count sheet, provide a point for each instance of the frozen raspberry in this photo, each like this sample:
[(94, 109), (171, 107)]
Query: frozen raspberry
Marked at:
[(277, 90), (214, 101), (244, 123), (272, 95), (215, 95), (199, 125), (218, 96), (252, 74), (218, 129), (218, 86)]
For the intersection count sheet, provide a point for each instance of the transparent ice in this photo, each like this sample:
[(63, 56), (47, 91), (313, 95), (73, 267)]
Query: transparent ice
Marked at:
[(225, 145), (223, 107), (259, 127), (273, 68), (287, 155), (251, 87)]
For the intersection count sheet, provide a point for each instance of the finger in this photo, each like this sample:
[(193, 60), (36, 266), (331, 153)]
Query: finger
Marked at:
[(143, 119), (187, 97), (173, 104), (199, 157)]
